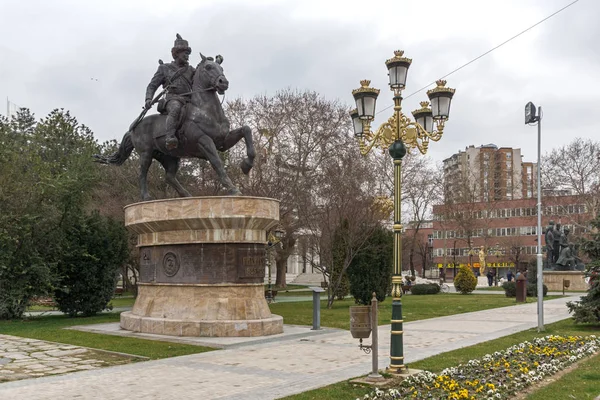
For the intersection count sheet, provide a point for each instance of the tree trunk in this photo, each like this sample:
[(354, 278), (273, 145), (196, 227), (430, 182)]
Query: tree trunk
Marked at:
[(281, 265)]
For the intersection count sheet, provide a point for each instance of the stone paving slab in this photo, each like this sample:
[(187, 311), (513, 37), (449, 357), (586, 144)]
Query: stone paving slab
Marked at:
[(289, 332), (24, 358), (272, 370)]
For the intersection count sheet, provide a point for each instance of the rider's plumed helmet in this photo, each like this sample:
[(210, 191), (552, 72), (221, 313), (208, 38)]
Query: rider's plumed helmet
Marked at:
[(180, 44)]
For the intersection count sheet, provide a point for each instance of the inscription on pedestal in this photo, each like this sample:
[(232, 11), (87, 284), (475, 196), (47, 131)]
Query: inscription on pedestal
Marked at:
[(205, 263), (250, 264)]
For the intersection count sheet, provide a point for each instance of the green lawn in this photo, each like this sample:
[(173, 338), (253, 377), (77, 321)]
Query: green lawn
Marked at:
[(413, 308), (583, 383), (491, 288), (51, 328), (118, 302)]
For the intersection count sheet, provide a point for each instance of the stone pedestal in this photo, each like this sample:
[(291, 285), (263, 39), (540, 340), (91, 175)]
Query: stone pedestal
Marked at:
[(554, 280), (202, 266)]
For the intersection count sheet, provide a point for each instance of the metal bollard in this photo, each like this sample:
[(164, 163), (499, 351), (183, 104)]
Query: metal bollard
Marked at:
[(374, 375), (317, 307)]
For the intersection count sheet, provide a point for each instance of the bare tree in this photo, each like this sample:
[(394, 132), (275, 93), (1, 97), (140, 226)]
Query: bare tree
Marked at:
[(296, 134), (348, 212), (514, 249), (575, 167), (419, 193)]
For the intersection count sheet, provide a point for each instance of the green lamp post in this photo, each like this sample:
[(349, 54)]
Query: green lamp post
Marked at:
[(398, 135)]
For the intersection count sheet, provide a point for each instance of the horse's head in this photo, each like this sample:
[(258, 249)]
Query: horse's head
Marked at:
[(210, 76)]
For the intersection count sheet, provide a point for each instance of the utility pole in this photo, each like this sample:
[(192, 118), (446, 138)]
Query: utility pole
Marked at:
[(531, 117)]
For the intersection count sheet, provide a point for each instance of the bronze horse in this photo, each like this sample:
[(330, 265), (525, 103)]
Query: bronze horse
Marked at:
[(204, 131)]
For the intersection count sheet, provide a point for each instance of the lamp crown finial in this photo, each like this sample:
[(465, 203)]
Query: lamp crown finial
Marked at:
[(398, 53), (424, 104), (365, 83), (440, 82)]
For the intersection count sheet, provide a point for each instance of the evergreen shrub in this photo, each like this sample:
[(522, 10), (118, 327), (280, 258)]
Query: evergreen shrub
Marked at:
[(465, 281)]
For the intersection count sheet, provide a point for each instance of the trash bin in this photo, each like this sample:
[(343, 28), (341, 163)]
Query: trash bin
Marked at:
[(521, 288), (360, 322)]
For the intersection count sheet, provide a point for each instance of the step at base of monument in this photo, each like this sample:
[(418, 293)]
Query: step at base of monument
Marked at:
[(203, 328)]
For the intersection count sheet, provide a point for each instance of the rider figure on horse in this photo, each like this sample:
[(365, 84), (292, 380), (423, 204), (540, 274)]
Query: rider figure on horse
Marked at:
[(176, 77)]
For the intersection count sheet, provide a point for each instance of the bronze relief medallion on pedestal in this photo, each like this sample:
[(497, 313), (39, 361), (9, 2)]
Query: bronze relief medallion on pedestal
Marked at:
[(170, 264)]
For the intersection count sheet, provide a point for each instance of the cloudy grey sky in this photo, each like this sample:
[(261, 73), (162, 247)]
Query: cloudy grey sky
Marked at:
[(96, 58)]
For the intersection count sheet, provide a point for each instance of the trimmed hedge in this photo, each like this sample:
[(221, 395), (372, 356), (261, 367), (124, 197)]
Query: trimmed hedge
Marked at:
[(532, 290), (425, 288), (510, 289)]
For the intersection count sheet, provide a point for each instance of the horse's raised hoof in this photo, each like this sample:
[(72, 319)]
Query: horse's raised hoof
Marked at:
[(234, 192), (246, 166)]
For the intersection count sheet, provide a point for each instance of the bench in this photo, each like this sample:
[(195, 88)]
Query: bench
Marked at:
[(118, 291), (406, 289), (43, 301)]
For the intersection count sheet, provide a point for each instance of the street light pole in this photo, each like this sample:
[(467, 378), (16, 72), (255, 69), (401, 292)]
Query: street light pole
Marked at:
[(273, 239), (397, 135), (531, 117)]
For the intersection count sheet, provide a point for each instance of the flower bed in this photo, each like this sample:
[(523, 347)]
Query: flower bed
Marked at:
[(500, 375)]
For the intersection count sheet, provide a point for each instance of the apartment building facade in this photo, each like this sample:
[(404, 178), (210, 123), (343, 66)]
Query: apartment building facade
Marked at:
[(488, 173), (505, 229)]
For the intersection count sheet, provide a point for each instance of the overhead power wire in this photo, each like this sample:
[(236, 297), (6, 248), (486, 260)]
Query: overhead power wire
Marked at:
[(487, 52)]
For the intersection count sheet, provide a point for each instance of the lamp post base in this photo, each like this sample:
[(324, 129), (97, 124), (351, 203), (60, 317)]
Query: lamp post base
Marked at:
[(396, 341)]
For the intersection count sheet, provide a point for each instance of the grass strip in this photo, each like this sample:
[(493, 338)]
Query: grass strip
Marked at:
[(51, 328), (413, 308)]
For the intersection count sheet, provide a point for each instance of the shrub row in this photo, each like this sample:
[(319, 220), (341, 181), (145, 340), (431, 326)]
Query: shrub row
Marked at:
[(425, 288), (510, 289)]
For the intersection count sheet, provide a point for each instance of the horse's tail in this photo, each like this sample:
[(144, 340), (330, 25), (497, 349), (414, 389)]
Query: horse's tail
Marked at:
[(118, 158)]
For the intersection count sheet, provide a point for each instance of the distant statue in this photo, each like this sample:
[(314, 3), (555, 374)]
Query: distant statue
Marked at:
[(549, 239), (567, 259), (481, 261), (556, 243), (563, 241), (204, 130)]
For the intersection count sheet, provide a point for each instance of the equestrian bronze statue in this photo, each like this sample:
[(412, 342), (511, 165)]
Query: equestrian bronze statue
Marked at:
[(191, 122)]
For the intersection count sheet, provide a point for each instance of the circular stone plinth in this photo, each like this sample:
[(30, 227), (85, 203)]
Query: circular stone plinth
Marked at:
[(205, 328), (222, 310)]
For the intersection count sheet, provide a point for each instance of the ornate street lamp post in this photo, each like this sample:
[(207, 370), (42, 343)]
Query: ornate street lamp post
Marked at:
[(398, 134), (273, 239)]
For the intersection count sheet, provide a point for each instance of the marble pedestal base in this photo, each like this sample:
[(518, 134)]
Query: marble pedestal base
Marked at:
[(202, 310), (554, 280), (202, 267)]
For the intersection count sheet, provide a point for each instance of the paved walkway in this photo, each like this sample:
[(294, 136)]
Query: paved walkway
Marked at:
[(282, 366), (24, 358)]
